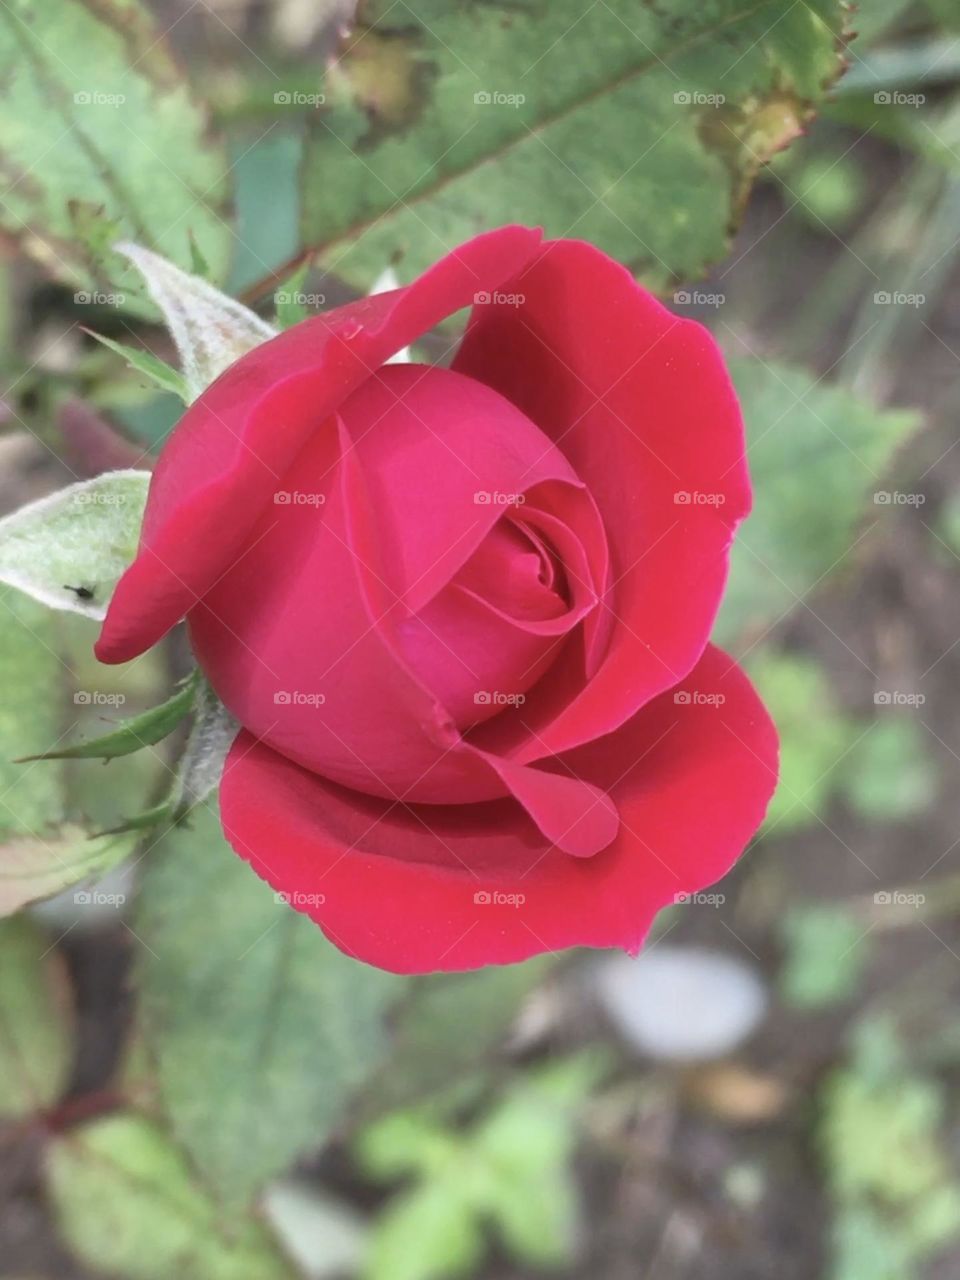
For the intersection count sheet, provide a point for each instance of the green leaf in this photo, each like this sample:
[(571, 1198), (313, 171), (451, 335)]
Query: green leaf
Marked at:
[(145, 362), (91, 90), (199, 768), (32, 679), (429, 1233), (818, 455), (260, 1028), (608, 122), (890, 775), (127, 1205), (68, 550), (37, 867), (814, 736), (34, 1021), (210, 329), (826, 950), (290, 299), (447, 1029), (511, 1169), (138, 731)]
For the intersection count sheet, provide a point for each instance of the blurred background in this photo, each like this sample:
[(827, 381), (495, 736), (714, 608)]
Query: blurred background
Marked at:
[(771, 1089)]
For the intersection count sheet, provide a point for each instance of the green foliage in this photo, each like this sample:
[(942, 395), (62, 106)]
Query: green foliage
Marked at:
[(69, 549), (261, 1030), (826, 947), (267, 181), (32, 678), (510, 1169), (40, 851), (817, 455), (888, 774), (133, 734), (448, 119), (882, 767), (211, 330), (880, 1134), (36, 867), (155, 370), (34, 1024), (128, 1205), (813, 736), (101, 139), (448, 1026)]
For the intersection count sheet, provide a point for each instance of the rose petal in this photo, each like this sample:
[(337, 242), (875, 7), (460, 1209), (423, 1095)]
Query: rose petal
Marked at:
[(226, 457), (420, 888), (641, 404)]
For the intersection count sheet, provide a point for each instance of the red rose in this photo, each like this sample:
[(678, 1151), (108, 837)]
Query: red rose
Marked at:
[(462, 614)]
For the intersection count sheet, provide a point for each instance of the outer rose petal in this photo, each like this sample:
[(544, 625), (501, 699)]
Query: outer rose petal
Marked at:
[(449, 888), (223, 462), (640, 402)]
